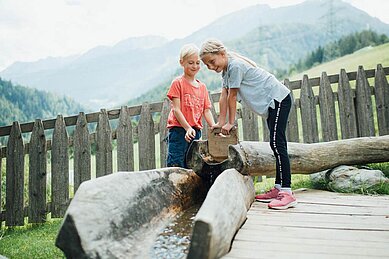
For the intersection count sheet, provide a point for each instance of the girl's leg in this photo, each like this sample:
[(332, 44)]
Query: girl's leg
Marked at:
[(277, 122)]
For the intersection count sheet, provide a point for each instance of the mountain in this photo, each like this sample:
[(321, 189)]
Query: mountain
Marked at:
[(23, 104), (273, 37)]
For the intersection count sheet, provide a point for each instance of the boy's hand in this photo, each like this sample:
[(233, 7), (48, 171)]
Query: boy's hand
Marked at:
[(190, 134)]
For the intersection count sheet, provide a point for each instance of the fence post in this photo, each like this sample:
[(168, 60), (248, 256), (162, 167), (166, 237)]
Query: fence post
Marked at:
[(14, 205), (308, 112), (348, 123), (37, 174), (59, 169), (250, 124), (163, 131), (365, 120), (82, 154), (103, 145), (327, 109), (146, 139), (125, 145), (292, 130), (382, 100)]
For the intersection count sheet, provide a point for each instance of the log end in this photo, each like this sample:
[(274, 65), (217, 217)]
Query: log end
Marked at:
[(68, 239), (201, 240)]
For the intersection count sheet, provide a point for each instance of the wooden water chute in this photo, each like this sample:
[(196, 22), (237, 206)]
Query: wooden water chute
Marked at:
[(257, 159), (119, 215)]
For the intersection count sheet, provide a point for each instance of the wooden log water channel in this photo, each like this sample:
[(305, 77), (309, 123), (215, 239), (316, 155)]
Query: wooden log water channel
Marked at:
[(120, 215)]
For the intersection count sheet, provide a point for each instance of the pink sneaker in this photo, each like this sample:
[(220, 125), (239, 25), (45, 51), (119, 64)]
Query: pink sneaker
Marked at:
[(283, 201), (268, 196)]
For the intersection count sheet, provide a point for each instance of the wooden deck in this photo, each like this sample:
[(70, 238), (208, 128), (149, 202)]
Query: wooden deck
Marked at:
[(322, 225)]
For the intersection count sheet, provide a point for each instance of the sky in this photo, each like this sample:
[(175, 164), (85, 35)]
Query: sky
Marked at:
[(35, 29)]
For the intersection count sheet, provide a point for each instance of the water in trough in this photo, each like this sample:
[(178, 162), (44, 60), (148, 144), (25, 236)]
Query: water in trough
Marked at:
[(174, 240)]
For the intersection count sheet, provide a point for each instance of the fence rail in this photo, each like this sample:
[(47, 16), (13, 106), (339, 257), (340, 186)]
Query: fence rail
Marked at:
[(326, 108)]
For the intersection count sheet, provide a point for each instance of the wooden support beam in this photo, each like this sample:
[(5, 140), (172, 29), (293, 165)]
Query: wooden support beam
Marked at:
[(257, 159)]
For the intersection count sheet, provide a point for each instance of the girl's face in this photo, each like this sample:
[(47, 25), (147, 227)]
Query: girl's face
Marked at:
[(216, 61), (191, 65)]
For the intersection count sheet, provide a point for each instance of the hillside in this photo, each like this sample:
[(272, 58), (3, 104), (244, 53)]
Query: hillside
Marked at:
[(23, 104), (106, 77), (368, 57)]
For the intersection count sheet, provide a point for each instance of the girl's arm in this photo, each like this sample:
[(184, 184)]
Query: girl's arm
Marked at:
[(231, 104), (190, 132), (222, 107)]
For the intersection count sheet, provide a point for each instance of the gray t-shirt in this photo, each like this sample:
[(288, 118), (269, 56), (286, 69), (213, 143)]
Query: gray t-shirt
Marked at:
[(257, 88)]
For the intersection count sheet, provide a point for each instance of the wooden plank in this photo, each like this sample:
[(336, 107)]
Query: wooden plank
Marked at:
[(309, 249), (103, 145), (327, 109), (292, 128), (265, 130), (163, 131), (308, 112), (253, 232), (348, 123), (59, 169), (82, 152), (146, 139), (249, 124), (323, 224), (14, 203), (382, 100), (364, 112), (125, 146), (37, 175)]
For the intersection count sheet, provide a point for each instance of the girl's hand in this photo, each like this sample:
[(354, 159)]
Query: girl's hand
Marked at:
[(190, 134), (226, 128), (216, 126)]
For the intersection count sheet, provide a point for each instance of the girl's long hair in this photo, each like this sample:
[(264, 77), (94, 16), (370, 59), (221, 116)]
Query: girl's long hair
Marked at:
[(214, 46)]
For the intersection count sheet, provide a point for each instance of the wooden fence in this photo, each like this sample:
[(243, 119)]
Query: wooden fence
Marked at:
[(340, 106)]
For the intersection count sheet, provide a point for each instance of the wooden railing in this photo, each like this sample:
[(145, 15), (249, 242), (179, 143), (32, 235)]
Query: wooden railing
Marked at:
[(340, 106)]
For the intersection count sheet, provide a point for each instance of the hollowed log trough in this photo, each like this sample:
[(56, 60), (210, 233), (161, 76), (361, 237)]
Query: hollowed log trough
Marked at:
[(121, 214)]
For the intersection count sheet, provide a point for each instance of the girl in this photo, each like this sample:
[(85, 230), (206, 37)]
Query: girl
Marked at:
[(264, 95), (189, 102)]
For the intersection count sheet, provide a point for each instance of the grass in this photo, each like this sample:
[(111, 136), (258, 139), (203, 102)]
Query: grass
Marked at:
[(31, 241)]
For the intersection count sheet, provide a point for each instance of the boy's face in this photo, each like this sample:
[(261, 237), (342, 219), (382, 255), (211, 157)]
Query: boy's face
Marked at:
[(191, 64), (216, 62)]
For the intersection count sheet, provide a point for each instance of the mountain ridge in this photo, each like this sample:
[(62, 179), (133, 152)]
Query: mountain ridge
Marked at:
[(109, 76)]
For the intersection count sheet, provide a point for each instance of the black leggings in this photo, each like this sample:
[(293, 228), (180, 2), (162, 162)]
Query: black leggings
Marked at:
[(277, 122)]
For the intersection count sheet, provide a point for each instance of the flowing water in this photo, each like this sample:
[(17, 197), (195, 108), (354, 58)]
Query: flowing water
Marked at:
[(174, 240)]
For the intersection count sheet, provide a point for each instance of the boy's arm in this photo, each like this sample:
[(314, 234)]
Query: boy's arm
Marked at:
[(190, 132), (209, 117)]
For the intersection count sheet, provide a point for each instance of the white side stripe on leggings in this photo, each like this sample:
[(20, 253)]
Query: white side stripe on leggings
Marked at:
[(274, 140)]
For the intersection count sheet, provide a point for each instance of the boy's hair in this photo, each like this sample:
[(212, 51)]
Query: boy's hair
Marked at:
[(214, 46), (188, 50)]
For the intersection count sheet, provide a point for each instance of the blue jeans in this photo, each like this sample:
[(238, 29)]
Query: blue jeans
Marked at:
[(277, 122), (178, 147)]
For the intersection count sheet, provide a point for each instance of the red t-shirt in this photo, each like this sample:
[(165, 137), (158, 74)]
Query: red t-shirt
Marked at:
[(193, 102)]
